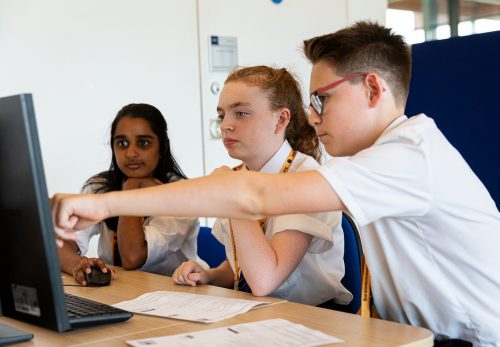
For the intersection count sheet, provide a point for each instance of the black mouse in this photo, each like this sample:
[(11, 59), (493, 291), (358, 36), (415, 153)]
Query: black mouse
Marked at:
[(98, 278)]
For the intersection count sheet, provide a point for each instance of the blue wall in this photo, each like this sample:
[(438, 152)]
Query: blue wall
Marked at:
[(457, 83)]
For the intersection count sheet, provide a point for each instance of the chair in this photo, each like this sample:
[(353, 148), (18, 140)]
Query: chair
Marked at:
[(353, 254), (209, 248)]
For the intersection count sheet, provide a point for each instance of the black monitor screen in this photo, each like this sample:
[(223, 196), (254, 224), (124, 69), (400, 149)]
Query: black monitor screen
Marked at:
[(30, 285)]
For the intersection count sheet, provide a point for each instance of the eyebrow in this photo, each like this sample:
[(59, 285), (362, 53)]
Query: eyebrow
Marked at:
[(234, 105), (138, 136)]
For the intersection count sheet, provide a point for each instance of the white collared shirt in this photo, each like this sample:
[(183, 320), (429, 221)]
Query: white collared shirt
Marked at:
[(430, 231), (317, 277), (171, 241)]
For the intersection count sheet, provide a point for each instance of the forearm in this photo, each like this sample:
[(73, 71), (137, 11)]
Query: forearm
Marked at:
[(221, 276), (201, 197), (256, 258), (242, 195), (266, 265), (132, 242), (68, 256)]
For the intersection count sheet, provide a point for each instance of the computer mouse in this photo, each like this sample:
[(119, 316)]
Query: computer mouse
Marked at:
[(98, 278)]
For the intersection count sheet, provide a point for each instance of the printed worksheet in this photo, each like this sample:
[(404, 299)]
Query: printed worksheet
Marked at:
[(186, 306), (269, 333)]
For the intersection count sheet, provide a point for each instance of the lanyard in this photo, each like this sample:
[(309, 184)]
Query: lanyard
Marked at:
[(262, 222), (366, 309)]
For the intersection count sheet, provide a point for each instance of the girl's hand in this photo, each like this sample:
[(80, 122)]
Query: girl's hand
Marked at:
[(136, 183), (85, 265), (190, 273)]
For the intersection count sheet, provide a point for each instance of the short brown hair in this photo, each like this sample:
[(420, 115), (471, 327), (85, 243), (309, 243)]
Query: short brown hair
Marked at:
[(283, 90), (366, 47)]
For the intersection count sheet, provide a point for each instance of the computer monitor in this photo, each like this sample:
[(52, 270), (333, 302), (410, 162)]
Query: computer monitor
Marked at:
[(30, 275), (31, 288)]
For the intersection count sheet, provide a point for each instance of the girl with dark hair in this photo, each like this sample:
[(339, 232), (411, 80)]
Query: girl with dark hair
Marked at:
[(299, 257), (141, 158)]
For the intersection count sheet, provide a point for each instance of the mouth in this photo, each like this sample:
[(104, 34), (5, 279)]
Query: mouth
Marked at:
[(134, 166), (228, 142)]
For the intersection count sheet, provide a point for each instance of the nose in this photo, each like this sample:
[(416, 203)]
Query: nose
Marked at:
[(225, 124), (314, 118), (132, 152)]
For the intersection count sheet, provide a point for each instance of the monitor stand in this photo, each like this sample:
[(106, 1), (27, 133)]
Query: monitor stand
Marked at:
[(10, 335)]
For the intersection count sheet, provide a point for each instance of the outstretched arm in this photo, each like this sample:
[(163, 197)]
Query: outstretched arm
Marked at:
[(243, 195)]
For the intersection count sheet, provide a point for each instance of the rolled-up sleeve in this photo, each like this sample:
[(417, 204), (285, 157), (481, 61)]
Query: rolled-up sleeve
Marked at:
[(319, 225)]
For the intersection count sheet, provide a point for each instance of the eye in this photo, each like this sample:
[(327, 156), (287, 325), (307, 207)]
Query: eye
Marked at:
[(241, 114), (143, 143), (323, 98), (121, 143), (220, 117)]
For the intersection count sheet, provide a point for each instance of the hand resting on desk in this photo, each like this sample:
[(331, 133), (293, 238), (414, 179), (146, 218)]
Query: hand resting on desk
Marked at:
[(191, 273)]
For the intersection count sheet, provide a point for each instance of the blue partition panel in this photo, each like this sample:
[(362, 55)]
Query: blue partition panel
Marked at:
[(457, 83)]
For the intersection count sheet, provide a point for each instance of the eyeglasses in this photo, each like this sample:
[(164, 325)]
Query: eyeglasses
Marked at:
[(317, 100)]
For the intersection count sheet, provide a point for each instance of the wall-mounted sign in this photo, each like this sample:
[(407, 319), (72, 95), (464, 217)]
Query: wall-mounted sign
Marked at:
[(223, 53)]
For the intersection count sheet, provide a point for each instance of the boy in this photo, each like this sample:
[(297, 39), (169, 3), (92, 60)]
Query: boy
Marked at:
[(429, 226)]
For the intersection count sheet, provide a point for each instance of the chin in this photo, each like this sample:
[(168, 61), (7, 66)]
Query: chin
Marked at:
[(337, 152), (331, 151), (233, 154), (135, 175)]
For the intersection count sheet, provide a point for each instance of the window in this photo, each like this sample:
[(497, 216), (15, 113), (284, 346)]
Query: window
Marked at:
[(425, 20)]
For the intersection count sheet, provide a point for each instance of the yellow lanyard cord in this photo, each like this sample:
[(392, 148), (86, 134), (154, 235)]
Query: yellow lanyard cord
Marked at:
[(365, 290), (284, 169)]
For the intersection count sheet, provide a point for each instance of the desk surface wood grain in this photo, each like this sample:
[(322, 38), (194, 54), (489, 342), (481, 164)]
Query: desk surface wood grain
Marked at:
[(354, 330)]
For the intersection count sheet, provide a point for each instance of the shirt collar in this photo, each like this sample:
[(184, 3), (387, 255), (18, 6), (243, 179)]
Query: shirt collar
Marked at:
[(395, 123), (276, 162)]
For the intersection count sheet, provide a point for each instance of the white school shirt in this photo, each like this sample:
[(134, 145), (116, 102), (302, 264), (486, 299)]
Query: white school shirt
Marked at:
[(317, 277), (429, 228), (171, 241)]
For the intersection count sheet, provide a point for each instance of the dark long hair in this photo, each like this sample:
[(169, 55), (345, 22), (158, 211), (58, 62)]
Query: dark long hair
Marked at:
[(167, 169)]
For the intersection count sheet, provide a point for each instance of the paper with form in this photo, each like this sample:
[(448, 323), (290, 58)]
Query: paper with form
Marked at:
[(269, 333), (186, 306)]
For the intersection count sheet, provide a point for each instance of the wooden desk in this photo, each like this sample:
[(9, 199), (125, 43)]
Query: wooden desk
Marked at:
[(354, 330)]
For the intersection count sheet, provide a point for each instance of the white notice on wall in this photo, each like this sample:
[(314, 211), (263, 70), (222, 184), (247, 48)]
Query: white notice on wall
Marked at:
[(223, 53)]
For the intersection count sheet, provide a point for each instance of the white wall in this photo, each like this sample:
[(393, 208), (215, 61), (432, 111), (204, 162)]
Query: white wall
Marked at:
[(267, 34), (83, 60)]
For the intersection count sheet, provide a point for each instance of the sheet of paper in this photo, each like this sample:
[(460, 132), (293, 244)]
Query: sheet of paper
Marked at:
[(269, 333), (186, 306)]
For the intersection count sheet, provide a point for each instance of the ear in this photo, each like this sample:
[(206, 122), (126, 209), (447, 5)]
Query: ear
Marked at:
[(375, 87), (283, 119)]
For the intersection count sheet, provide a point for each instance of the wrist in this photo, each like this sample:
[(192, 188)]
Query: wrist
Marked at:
[(105, 203)]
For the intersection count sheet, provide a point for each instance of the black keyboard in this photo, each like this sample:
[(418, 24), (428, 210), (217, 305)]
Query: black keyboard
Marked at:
[(84, 312)]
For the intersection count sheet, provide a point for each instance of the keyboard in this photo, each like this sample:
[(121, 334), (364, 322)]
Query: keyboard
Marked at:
[(84, 312)]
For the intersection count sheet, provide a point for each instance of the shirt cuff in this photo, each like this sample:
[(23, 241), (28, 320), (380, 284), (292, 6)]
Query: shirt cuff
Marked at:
[(322, 233)]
